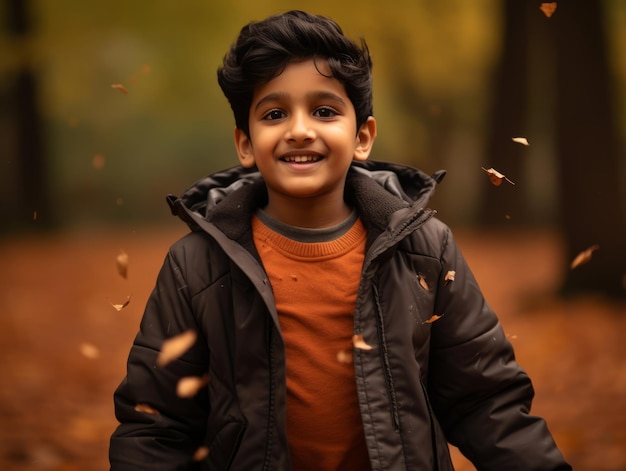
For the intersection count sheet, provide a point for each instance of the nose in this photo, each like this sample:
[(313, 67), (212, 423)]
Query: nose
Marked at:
[(300, 128)]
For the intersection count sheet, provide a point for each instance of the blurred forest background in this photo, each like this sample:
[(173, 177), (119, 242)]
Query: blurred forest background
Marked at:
[(454, 82), (106, 107)]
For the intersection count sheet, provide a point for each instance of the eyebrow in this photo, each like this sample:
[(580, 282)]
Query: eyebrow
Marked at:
[(320, 95)]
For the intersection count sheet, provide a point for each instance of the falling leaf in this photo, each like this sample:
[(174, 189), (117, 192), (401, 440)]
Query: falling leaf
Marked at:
[(358, 342), (521, 140), (121, 262), (119, 201), (201, 453), (120, 87), (174, 347), (583, 257), (344, 356), (146, 409), (119, 307), (496, 177), (432, 319), (97, 162), (422, 281), (34, 215), (89, 350), (190, 385), (449, 276), (548, 8), (507, 217)]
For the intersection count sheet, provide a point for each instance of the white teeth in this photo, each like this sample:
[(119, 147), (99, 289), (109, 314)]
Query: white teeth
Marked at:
[(302, 158)]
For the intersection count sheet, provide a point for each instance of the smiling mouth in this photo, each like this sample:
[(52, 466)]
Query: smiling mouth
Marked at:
[(302, 159)]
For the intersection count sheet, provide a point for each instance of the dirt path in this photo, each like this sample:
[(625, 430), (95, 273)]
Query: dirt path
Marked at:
[(63, 346)]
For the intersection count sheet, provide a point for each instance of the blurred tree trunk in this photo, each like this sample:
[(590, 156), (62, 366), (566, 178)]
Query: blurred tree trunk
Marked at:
[(591, 207), (592, 194), (508, 117), (24, 166)]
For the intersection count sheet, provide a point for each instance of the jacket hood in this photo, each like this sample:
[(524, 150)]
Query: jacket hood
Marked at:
[(408, 185)]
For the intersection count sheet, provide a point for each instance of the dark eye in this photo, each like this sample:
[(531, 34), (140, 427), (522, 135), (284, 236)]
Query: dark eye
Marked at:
[(274, 114), (325, 112)]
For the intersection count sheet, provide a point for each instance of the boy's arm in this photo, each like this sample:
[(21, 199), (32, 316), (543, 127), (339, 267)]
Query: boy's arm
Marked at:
[(158, 429), (482, 397)]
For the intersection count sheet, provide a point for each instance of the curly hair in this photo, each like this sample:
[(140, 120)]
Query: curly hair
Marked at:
[(264, 48)]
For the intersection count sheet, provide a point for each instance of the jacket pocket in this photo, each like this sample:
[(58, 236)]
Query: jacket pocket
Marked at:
[(224, 447)]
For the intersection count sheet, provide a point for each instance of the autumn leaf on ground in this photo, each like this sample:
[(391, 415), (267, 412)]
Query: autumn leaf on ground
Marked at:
[(174, 347), (190, 385), (422, 281), (146, 409), (548, 8), (89, 350), (121, 262), (496, 177), (201, 453), (119, 307), (344, 356), (120, 87), (358, 342), (432, 319), (521, 140), (449, 276), (583, 257)]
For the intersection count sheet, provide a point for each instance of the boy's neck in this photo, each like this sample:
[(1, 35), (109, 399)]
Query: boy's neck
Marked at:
[(306, 213)]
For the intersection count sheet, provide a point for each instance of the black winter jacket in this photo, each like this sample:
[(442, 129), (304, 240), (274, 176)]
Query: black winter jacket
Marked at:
[(423, 384)]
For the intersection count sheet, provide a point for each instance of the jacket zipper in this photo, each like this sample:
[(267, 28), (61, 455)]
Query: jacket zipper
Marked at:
[(272, 407), (384, 353)]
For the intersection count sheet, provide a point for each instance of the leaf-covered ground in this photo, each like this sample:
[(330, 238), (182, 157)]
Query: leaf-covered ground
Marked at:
[(63, 343)]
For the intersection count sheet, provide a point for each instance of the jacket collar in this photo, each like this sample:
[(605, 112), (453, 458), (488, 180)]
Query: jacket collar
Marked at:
[(229, 198)]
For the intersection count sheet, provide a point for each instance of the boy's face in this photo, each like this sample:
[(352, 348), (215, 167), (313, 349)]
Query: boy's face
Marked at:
[(303, 134)]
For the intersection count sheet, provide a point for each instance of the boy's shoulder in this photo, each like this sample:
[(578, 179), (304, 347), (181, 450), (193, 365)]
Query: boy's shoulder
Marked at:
[(430, 240)]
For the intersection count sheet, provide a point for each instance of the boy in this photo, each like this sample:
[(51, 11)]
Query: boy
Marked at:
[(335, 317)]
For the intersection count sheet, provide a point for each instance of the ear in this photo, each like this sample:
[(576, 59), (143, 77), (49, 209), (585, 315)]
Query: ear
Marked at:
[(365, 139), (244, 149)]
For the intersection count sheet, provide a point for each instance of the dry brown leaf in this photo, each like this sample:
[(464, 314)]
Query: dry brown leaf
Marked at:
[(174, 347), (583, 257), (119, 307), (496, 177), (344, 356), (146, 409), (432, 319), (201, 453), (190, 385), (449, 276), (521, 140), (89, 350), (121, 261), (422, 281), (548, 8), (359, 342), (120, 87)]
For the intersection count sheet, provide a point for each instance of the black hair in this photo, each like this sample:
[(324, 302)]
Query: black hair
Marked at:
[(264, 48)]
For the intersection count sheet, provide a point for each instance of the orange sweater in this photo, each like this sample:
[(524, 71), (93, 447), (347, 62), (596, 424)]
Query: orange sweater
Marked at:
[(315, 287)]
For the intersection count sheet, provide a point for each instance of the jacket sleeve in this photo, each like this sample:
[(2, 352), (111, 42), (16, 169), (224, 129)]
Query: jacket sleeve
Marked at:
[(173, 428), (481, 396)]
